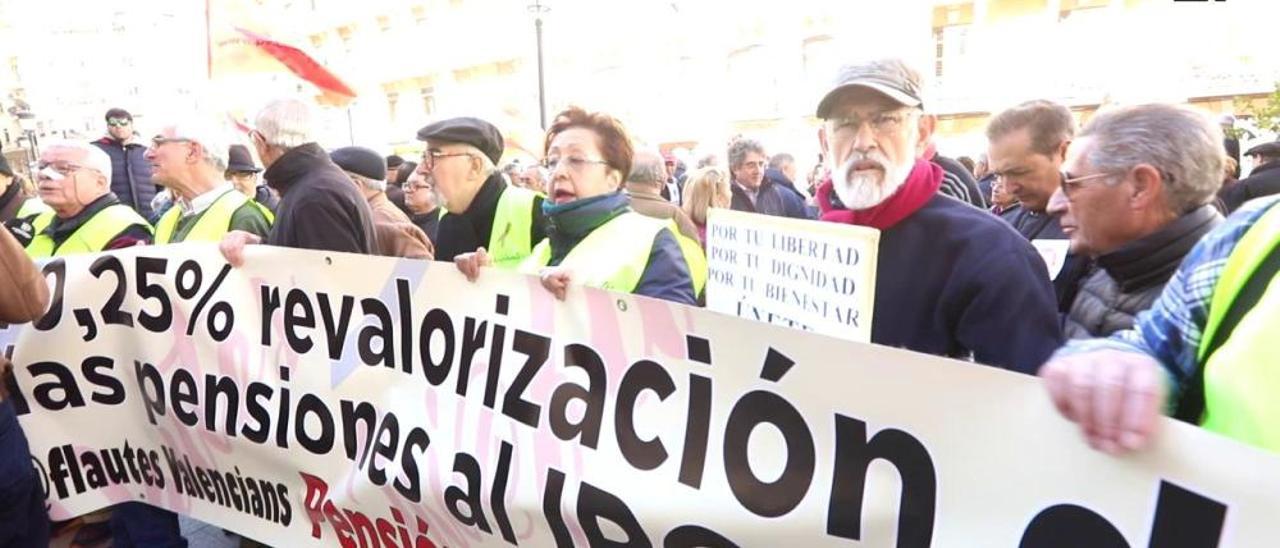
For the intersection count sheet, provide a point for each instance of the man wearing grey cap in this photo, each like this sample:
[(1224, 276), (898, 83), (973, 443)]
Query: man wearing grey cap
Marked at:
[(946, 269), (483, 211)]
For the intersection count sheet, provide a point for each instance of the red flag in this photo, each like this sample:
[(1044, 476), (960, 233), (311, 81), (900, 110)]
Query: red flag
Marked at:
[(300, 64)]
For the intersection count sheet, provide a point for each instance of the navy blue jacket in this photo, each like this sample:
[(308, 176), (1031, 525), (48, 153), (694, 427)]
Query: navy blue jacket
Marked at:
[(130, 174), (666, 276), (952, 280), (1037, 226), (772, 198)]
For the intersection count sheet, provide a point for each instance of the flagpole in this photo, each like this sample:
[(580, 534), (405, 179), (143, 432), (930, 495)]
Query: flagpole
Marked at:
[(208, 34)]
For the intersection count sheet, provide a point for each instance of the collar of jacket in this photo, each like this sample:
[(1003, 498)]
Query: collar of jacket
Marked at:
[(295, 164), (484, 206), (1274, 164), (1151, 260), (568, 224), (61, 228), (131, 142)]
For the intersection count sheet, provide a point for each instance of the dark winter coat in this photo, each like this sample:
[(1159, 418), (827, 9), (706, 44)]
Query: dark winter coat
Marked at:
[(319, 207)]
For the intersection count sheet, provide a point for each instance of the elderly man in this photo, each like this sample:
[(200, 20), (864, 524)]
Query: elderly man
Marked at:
[(1028, 144), (533, 178), (1135, 196), (483, 211), (190, 159), (319, 207), (1264, 180), (946, 270), (74, 180), (130, 175), (243, 173), (644, 187), (397, 236), (423, 202), (755, 193)]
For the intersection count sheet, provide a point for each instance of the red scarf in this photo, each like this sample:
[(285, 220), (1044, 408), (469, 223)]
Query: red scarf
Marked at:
[(921, 185)]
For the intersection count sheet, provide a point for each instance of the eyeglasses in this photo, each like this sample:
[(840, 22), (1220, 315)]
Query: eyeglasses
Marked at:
[(1071, 184), (575, 163), (56, 171), (414, 188), (429, 157), (882, 123), (118, 122)]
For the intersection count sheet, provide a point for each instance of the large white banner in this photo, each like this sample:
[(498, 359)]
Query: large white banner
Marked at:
[(313, 399), (808, 275)]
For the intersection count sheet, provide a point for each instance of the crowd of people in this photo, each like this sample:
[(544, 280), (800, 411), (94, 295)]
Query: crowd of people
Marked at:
[(1161, 306)]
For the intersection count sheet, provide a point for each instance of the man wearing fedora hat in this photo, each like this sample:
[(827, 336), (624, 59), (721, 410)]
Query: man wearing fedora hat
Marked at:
[(243, 174), (1264, 180)]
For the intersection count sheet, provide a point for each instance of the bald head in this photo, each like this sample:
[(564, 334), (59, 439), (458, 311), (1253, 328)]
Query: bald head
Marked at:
[(648, 171)]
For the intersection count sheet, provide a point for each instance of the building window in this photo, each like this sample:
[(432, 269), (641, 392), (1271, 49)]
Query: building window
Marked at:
[(384, 23), (420, 14), (429, 100), (951, 25), (819, 59)]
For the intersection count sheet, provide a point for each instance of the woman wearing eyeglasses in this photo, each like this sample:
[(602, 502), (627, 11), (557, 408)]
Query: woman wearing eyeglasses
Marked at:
[(594, 239)]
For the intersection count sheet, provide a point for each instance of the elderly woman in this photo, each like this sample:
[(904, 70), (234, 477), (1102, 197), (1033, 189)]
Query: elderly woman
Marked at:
[(595, 239), (706, 188), (23, 298)]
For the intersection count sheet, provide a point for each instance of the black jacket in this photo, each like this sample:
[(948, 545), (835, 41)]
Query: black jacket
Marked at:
[(319, 207), (464, 232), (772, 198), (1127, 280), (428, 222), (130, 174), (1264, 180), (1036, 226)]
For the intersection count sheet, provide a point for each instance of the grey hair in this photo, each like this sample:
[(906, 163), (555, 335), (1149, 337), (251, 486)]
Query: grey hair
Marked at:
[(212, 138), (285, 123), (371, 184), (781, 159), (1183, 143), (739, 149), (94, 157), (647, 167), (486, 164)]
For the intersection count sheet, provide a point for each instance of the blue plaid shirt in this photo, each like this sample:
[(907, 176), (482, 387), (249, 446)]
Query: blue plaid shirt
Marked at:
[(1171, 330)]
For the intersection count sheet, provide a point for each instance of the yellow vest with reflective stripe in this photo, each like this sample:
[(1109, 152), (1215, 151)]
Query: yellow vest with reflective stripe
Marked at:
[(32, 207), (510, 242), (615, 254), (1242, 377), (214, 222), (91, 237)]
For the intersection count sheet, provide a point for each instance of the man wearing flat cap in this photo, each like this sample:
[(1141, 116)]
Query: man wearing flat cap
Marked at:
[(397, 235), (483, 211), (1264, 180), (946, 270)]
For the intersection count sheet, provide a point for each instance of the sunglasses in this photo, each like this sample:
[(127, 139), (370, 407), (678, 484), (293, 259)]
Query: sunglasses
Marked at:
[(117, 122)]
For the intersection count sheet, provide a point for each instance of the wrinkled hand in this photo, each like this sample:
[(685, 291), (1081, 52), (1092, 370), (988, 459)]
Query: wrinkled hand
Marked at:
[(469, 264), (1116, 397), (556, 280), (232, 246)]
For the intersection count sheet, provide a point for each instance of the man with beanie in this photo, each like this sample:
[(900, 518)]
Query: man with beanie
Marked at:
[(130, 172), (397, 235), (483, 211), (946, 270)]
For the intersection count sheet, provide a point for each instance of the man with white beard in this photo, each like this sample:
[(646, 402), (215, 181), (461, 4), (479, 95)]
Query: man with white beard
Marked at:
[(951, 279)]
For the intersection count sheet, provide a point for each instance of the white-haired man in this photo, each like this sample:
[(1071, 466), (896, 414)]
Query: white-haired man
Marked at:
[(945, 270), (319, 207), (190, 159), (74, 180)]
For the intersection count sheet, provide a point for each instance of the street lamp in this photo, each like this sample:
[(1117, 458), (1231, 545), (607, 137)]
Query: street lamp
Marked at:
[(27, 122), (537, 9)]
